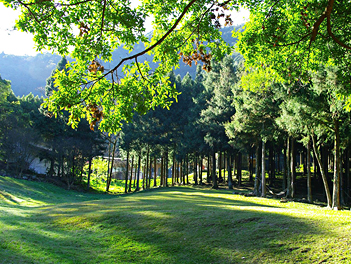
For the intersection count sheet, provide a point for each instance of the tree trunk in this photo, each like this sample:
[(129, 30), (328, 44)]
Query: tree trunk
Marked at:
[(263, 194), (308, 168), (195, 171), (155, 171), (239, 168), (257, 176), (201, 164), (147, 168), (324, 177), (126, 174), (293, 168), (108, 182), (131, 175), (288, 162), (89, 173), (230, 178), (220, 178), (336, 183), (208, 168), (138, 174), (214, 173), (285, 168)]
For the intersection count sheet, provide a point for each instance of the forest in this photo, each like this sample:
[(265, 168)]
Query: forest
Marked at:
[(246, 159)]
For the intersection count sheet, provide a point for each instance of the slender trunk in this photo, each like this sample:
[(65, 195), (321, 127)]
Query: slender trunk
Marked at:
[(257, 176), (336, 183), (284, 168), (143, 176), (166, 169), (173, 169), (195, 170), (288, 174), (230, 178), (108, 182), (138, 174), (161, 170), (89, 173), (147, 168), (308, 168), (187, 169), (201, 164), (155, 171), (220, 179), (293, 169), (208, 168), (131, 175), (214, 173), (126, 174), (324, 177), (239, 170), (263, 170)]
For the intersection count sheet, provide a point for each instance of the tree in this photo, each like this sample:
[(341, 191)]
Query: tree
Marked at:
[(294, 37), (89, 90), (50, 82)]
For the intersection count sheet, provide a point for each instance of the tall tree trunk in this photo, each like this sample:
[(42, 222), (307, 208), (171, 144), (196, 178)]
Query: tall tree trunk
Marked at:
[(288, 162), (162, 170), (336, 183), (126, 174), (201, 164), (239, 170), (285, 168), (155, 171), (263, 194), (89, 173), (324, 177), (131, 175), (308, 168), (230, 178), (208, 168), (257, 176), (220, 178), (187, 168), (108, 182), (293, 168), (147, 168), (166, 169), (214, 173), (138, 174), (195, 170), (173, 169)]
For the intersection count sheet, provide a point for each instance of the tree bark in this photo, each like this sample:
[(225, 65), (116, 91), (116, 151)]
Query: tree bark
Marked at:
[(131, 175), (230, 178), (89, 173), (126, 174), (308, 168), (336, 183), (293, 168), (288, 162), (324, 177), (138, 174), (214, 173), (263, 194)]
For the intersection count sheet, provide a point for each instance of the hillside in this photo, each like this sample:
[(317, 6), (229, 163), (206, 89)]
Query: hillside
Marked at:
[(41, 223), (29, 73)]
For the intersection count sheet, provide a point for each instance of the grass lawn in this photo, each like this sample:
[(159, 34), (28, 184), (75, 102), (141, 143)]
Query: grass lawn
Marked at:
[(41, 223)]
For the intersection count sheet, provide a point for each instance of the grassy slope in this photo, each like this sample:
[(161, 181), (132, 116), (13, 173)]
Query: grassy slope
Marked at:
[(40, 223)]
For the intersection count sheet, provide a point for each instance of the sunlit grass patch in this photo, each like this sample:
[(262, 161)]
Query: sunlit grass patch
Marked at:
[(167, 225)]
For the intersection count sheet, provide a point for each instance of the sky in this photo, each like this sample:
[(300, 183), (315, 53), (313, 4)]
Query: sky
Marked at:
[(21, 43)]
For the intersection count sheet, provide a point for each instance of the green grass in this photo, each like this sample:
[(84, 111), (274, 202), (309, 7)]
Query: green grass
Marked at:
[(40, 223)]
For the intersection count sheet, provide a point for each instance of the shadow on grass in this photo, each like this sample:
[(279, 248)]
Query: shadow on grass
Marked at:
[(175, 225)]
